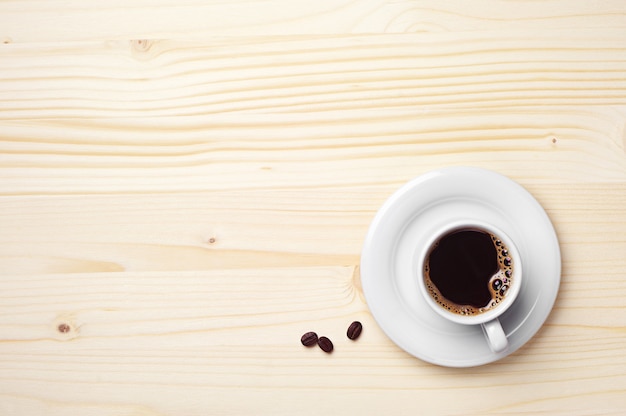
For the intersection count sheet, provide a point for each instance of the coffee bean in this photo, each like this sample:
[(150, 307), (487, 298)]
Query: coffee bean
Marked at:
[(309, 339), (325, 344), (354, 330)]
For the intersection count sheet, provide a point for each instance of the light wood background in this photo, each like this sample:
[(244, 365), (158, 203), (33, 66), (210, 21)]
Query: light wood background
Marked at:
[(185, 187)]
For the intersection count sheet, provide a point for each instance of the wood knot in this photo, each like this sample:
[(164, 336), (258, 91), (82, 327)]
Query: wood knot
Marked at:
[(65, 327), (356, 282), (141, 45)]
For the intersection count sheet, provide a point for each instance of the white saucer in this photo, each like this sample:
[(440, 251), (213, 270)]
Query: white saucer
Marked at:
[(398, 232)]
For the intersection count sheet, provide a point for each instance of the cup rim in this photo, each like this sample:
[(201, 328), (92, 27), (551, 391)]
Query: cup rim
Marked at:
[(513, 290)]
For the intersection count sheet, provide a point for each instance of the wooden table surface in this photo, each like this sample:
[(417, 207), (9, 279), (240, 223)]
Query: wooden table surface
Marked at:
[(185, 187)]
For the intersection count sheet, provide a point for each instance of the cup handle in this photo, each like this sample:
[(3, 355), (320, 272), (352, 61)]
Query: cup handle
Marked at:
[(495, 335)]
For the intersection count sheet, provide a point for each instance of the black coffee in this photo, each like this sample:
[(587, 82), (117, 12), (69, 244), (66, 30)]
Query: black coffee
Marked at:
[(468, 271)]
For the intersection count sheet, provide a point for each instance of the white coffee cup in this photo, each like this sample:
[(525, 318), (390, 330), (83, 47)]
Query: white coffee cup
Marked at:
[(487, 318)]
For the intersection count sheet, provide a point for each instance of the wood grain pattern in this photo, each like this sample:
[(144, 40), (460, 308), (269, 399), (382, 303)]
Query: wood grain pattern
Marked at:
[(71, 20), (185, 188), (146, 78)]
